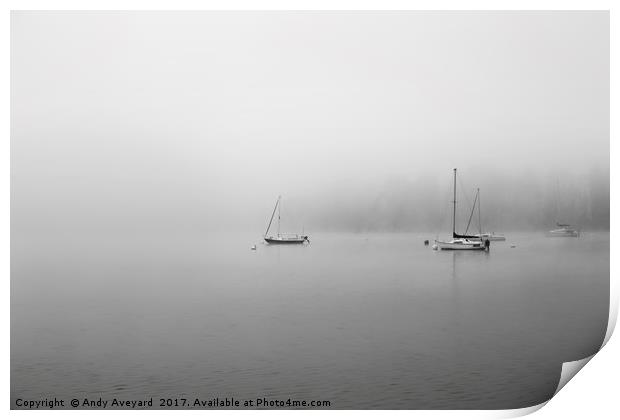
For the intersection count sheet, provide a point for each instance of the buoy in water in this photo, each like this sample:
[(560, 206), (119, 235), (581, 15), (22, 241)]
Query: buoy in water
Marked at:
[(253, 248), (426, 242)]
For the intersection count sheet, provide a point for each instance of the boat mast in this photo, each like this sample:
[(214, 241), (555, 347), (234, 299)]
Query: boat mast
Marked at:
[(272, 214), (473, 208), (454, 206), (479, 222), (278, 219)]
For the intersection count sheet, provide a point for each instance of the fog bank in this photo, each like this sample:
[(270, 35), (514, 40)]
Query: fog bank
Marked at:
[(196, 121)]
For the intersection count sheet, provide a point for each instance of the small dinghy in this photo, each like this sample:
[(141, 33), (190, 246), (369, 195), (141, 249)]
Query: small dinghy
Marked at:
[(492, 236), (283, 239)]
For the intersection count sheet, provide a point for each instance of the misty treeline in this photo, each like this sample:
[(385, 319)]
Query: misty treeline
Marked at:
[(512, 199), (522, 201)]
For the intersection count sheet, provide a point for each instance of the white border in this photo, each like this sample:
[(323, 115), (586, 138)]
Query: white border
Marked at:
[(592, 395)]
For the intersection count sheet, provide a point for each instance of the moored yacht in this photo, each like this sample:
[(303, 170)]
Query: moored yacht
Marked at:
[(460, 242), (564, 231), (284, 239)]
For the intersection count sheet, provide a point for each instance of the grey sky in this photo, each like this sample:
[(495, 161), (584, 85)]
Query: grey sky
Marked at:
[(200, 119)]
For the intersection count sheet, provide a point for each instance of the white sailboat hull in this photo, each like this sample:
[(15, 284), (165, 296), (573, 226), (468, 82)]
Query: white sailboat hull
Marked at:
[(563, 233), (460, 244)]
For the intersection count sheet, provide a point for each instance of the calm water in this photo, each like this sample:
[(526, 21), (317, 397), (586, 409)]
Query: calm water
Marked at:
[(365, 321)]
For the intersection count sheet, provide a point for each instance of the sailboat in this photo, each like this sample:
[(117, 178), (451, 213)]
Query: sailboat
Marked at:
[(491, 236), (283, 239), (460, 242)]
